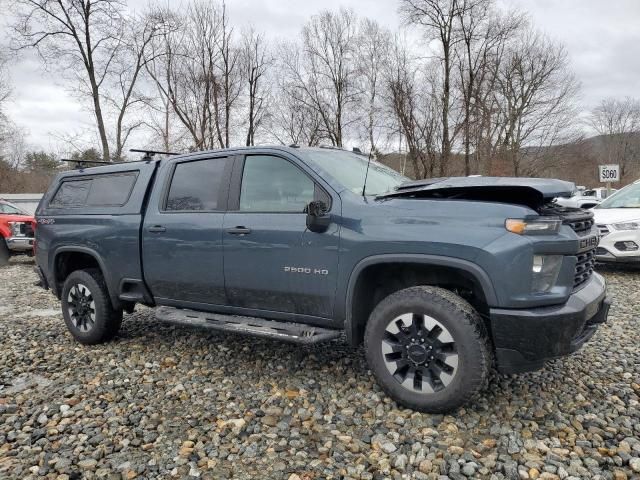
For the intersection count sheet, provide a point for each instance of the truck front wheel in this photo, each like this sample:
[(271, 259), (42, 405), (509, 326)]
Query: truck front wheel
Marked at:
[(87, 308), (428, 349)]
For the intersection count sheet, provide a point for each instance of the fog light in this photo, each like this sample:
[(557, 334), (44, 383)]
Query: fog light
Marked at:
[(626, 246), (545, 270)]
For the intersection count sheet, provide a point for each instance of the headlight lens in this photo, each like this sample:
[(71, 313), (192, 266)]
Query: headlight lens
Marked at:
[(16, 229), (545, 270), (632, 225), (533, 226)]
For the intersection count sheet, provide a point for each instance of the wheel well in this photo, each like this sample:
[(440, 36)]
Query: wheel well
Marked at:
[(67, 262), (378, 281)]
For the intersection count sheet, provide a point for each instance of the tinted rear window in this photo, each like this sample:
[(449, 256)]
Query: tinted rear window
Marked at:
[(98, 191), (111, 189), (195, 186)]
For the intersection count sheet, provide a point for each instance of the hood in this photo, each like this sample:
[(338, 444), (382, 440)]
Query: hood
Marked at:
[(16, 218), (532, 192), (607, 216)]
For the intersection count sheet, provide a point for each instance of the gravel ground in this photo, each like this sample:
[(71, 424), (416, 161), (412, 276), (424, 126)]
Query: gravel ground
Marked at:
[(168, 402)]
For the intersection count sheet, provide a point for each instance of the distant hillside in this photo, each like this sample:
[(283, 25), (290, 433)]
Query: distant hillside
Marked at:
[(577, 162)]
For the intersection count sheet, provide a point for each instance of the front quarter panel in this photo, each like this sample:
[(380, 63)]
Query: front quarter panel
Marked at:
[(446, 229), (466, 234)]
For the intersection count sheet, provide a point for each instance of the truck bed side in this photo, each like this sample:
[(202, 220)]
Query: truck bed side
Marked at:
[(80, 223)]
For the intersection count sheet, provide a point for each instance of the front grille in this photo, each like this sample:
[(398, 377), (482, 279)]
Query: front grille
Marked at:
[(603, 230), (581, 226), (584, 267), (26, 229)]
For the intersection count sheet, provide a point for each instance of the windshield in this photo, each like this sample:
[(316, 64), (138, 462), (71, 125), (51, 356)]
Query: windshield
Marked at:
[(350, 170), (8, 209), (628, 197)]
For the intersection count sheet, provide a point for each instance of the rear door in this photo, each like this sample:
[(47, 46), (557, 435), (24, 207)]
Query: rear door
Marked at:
[(271, 261), (182, 232)]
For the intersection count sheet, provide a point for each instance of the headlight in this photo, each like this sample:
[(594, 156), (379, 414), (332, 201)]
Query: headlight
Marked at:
[(16, 229), (533, 226), (632, 225), (544, 272)]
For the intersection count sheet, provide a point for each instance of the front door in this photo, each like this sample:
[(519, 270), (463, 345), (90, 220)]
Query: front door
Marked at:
[(182, 233), (271, 261)]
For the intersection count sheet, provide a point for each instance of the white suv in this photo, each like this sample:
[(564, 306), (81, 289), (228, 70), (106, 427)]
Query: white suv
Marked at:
[(618, 219)]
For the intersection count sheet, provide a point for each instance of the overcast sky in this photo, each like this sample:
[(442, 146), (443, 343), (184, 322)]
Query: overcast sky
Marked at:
[(601, 37)]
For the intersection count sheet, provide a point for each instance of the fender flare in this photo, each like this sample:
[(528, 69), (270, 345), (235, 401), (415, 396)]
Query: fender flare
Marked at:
[(473, 269), (86, 250)]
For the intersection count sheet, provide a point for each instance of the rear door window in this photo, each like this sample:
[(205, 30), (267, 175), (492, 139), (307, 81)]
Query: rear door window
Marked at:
[(196, 186)]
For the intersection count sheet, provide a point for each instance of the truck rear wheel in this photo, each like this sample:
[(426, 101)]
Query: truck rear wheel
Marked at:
[(4, 253), (428, 349), (87, 308)]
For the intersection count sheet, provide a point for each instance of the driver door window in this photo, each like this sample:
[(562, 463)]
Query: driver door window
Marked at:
[(272, 184)]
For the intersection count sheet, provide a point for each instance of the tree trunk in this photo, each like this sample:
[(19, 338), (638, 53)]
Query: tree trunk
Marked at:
[(446, 142), (99, 119)]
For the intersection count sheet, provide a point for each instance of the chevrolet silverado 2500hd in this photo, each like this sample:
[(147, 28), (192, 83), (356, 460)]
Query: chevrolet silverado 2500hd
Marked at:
[(441, 279)]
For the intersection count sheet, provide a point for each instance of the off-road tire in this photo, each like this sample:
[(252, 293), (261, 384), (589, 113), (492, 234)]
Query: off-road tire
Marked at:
[(107, 320), (4, 253), (465, 327)]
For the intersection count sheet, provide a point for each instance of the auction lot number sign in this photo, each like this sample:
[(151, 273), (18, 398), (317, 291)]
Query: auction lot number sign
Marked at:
[(609, 173)]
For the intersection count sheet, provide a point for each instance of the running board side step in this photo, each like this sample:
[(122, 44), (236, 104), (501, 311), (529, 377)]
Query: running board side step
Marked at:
[(289, 332)]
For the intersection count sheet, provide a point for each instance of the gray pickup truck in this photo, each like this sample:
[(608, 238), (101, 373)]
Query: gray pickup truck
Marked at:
[(441, 279)]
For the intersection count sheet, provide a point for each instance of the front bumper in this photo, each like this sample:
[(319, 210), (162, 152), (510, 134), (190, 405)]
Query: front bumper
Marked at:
[(612, 245), (605, 256), (524, 339), (20, 244)]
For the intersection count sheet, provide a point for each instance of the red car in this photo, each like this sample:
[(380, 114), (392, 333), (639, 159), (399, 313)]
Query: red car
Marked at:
[(17, 230)]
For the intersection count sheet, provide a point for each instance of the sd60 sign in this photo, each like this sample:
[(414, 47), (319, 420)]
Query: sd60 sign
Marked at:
[(609, 173)]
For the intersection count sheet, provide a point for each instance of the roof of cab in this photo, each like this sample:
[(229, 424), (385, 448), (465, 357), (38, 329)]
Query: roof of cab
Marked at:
[(119, 166)]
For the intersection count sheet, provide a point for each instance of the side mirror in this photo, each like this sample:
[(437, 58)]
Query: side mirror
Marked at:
[(318, 218)]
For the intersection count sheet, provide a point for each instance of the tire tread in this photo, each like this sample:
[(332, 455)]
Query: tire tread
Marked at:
[(103, 330), (466, 314)]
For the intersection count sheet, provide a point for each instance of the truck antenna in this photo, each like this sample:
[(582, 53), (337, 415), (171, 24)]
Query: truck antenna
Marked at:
[(366, 175)]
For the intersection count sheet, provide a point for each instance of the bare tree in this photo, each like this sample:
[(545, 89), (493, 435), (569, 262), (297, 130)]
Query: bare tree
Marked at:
[(536, 94), (484, 36), (5, 87), (5, 125), (230, 83), (184, 70), (324, 76), (374, 43), (488, 55), (618, 121), (255, 61), (413, 101), (295, 119), (83, 37), (476, 34), (127, 66), (159, 58), (438, 17), (197, 69)]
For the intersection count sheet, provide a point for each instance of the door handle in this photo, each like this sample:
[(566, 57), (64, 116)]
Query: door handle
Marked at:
[(238, 230), (157, 229)]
